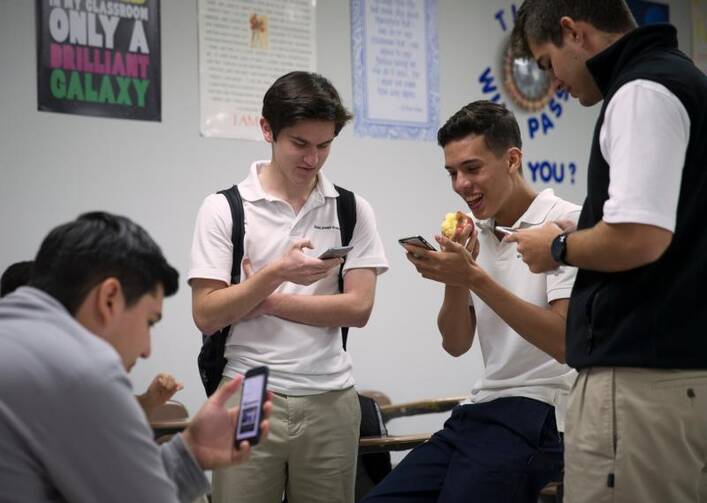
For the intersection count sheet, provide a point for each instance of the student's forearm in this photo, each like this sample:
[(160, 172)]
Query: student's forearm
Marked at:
[(542, 327), (226, 306), (616, 247), (456, 321), (338, 310), (146, 403)]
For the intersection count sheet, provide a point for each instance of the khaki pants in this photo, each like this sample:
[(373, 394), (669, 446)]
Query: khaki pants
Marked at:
[(637, 435), (311, 451)]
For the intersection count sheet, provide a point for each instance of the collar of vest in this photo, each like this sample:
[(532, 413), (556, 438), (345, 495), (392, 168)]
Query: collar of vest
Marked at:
[(606, 65)]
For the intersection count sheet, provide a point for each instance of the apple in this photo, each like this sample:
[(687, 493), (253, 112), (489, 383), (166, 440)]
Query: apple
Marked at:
[(454, 223)]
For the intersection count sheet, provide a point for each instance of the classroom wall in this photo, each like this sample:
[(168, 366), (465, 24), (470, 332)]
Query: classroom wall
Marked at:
[(55, 166)]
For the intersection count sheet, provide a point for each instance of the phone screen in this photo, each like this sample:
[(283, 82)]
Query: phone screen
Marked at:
[(251, 409)]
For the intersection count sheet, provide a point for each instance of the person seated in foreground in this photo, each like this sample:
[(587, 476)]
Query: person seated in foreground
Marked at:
[(163, 386), (70, 427)]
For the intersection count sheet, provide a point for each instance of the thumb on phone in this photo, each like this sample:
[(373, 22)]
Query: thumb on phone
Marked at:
[(300, 244)]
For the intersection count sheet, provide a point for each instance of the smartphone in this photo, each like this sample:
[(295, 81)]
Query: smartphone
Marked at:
[(505, 230), (418, 241), (336, 252), (253, 396)]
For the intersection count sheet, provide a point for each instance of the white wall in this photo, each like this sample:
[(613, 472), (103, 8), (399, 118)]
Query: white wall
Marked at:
[(55, 166)]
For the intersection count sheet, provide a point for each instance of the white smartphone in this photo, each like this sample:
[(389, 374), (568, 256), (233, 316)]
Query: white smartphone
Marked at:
[(339, 252)]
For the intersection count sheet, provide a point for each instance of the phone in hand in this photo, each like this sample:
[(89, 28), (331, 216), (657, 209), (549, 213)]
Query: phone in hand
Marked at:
[(505, 230), (337, 252), (250, 414), (418, 241)]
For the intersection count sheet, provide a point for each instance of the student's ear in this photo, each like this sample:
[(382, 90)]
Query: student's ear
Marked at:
[(515, 160), (267, 131), (571, 30), (109, 299)]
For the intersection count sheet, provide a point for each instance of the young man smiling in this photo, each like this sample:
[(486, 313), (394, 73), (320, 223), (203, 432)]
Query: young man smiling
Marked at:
[(287, 310), (503, 445)]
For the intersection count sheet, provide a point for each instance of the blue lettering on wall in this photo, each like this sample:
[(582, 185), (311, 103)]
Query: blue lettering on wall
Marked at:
[(533, 126), (552, 172), (544, 122), (486, 79), (501, 20), (499, 17)]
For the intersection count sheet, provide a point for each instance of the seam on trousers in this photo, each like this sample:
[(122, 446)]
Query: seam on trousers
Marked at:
[(611, 478)]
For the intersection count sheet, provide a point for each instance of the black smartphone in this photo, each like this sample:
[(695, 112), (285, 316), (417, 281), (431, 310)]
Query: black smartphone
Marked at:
[(418, 241), (253, 394), (336, 252)]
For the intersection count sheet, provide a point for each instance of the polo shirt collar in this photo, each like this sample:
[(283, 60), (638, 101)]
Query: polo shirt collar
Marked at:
[(252, 190), (535, 214)]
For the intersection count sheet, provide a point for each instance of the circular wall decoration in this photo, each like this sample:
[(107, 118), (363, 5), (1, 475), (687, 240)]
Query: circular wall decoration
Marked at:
[(528, 86)]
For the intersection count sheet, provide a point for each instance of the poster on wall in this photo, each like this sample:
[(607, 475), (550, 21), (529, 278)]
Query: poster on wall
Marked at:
[(699, 34), (99, 58), (647, 12), (244, 46), (395, 68)]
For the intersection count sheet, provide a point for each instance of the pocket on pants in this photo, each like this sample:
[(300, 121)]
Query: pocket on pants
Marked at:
[(591, 417)]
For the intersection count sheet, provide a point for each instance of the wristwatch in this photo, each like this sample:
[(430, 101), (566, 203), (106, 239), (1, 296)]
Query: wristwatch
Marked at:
[(559, 248)]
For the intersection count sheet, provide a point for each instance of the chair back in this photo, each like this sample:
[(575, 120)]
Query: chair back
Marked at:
[(171, 410)]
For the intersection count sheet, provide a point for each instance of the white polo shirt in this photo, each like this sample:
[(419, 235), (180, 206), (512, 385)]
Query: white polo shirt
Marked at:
[(644, 176), (303, 359), (513, 366)]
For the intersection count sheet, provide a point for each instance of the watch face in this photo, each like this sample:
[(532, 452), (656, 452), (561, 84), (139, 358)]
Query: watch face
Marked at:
[(557, 249), (530, 87)]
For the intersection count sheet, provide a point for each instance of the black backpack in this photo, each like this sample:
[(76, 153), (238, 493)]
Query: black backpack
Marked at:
[(211, 357)]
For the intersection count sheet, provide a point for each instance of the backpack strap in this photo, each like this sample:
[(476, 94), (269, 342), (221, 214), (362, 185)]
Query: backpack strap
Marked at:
[(211, 360), (346, 212), (238, 232)]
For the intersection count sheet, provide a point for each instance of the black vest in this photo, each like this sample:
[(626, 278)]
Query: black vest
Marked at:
[(653, 316)]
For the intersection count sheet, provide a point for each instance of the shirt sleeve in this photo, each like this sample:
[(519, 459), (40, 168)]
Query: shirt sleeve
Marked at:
[(183, 469), (368, 251), (561, 280), (112, 458), (644, 139), (212, 248)]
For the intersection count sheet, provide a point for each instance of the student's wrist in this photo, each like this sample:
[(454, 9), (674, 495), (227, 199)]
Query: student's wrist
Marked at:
[(274, 274), (144, 400), (190, 445), (456, 291), (271, 304), (479, 282)]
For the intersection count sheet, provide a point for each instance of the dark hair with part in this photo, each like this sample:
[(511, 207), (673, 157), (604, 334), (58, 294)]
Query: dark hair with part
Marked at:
[(495, 122), (539, 20), (298, 96), (78, 255), (15, 276)]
